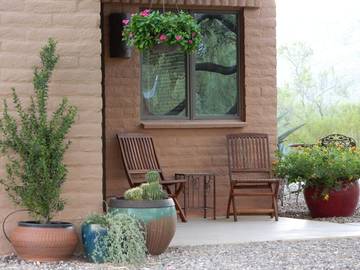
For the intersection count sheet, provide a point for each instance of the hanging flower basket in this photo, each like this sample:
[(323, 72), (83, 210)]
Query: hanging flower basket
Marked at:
[(148, 29)]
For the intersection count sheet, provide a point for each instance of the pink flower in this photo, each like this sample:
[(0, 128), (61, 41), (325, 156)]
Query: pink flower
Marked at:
[(190, 41), (125, 22), (193, 34), (163, 37), (145, 13), (178, 37)]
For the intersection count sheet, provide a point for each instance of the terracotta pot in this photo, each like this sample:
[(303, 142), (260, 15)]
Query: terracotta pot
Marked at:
[(44, 242), (159, 217), (341, 203)]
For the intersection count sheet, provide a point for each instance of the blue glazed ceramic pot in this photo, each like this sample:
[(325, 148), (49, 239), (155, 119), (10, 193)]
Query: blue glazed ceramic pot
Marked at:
[(91, 234)]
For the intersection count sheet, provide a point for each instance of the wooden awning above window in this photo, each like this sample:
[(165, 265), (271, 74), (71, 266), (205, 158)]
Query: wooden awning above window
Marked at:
[(199, 3)]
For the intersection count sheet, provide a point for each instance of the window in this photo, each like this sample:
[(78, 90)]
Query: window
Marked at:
[(204, 85)]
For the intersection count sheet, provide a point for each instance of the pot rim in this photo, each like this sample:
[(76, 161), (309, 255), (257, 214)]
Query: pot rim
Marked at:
[(52, 224), (120, 202)]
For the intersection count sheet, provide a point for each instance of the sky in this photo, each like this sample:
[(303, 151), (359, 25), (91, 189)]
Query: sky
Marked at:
[(331, 28)]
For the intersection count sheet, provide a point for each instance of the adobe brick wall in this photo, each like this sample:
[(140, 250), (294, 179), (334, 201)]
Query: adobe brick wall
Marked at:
[(25, 26), (192, 149)]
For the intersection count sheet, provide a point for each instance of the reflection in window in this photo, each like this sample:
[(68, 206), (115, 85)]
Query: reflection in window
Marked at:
[(202, 85), (163, 83), (216, 90)]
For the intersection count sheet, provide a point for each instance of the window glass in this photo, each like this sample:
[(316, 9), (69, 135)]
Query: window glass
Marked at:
[(163, 83), (215, 84), (204, 85)]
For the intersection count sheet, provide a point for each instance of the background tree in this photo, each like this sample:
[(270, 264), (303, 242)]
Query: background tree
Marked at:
[(318, 99)]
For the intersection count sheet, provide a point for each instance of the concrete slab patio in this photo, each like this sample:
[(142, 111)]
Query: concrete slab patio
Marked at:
[(257, 229)]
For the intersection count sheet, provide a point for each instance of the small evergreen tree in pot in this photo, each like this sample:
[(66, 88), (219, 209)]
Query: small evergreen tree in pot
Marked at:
[(34, 144)]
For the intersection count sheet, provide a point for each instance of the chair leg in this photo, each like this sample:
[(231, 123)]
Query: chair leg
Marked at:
[(276, 209), (177, 204), (232, 197), (275, 200), (234, 208), (180, 211), (229, 204)]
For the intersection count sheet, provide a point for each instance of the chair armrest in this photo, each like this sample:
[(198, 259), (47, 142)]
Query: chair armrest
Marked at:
[(259, 181), (172, 182)]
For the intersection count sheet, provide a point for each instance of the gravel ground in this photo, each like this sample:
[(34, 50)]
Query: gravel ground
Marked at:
[(294, 208), (311, 254)]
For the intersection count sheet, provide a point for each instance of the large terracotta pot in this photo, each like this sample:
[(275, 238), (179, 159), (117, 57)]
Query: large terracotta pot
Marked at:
[(44, 242), (159, 217), (340, 203)]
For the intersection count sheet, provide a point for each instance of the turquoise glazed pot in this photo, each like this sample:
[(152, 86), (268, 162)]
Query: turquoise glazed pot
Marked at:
[(92, 233), (158, 216)]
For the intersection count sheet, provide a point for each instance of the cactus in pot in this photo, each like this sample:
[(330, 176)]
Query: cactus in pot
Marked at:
[(152, 190), (153, 208), (152, 177), (135, 194)]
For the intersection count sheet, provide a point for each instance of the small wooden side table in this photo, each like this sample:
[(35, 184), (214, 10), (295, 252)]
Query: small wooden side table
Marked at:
[(199, 185)]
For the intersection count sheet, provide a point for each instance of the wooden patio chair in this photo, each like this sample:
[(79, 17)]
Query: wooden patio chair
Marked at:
[(340, 139), (250, 173), (139, 157)]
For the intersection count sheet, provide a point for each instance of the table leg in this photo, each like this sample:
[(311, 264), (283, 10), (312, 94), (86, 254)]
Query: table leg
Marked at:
[(205, 202), (214, 196)]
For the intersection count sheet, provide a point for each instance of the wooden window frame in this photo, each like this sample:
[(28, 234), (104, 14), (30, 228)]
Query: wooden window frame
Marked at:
[(190, 114)]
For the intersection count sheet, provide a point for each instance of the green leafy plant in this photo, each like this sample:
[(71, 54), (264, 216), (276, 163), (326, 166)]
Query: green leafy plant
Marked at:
[(147, 29), (323, 167), (124, 241), (34, 145), (152, 190)]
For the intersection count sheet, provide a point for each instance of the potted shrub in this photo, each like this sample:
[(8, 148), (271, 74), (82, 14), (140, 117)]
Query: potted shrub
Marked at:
[(329, 176), (114, 238), (34, 144), (151, 205), (148, 29)]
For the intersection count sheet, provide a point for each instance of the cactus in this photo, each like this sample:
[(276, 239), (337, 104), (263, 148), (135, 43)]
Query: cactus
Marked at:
[(135, 194), (153, 191), (152, 177)]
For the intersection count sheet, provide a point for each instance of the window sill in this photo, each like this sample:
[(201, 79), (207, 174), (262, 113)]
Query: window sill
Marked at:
[(170, 124)]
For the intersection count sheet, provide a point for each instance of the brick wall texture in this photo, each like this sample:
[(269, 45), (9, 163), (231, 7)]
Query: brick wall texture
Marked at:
[(192, 149), (25, 26)]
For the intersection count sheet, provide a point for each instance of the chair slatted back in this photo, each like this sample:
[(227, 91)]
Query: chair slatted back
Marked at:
[(248, 153), (138, 155)]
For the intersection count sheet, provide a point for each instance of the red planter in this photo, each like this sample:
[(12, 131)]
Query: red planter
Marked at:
[(341, 203)]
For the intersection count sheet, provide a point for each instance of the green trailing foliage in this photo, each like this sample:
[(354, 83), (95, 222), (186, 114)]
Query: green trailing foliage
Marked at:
[(152, 190), (124, 241), (34, 144)]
